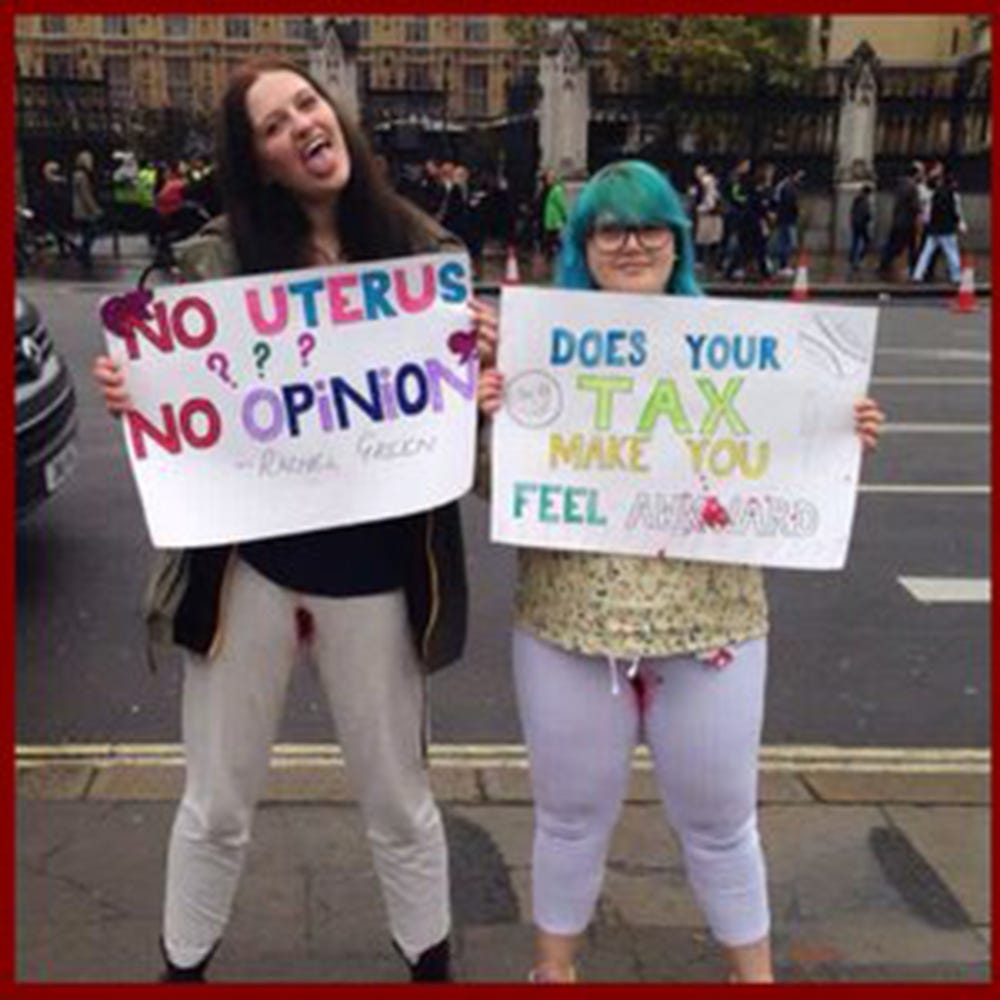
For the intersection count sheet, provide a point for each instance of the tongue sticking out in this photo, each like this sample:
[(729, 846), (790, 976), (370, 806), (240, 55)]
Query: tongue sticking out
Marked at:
[(322, 162)]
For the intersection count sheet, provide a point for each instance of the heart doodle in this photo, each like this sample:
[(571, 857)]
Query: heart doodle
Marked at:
[(462, 343), (121, 311)]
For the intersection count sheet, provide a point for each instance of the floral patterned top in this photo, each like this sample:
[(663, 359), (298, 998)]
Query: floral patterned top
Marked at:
[(633, 606)]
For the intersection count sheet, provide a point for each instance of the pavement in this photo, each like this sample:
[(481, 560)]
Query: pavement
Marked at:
[(878, 866)]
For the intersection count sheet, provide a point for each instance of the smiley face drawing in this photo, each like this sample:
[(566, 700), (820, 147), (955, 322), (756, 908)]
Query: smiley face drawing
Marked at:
[(533, 399)]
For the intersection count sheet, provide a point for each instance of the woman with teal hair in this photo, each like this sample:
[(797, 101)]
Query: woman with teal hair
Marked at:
[(628, 193), (610, 648)]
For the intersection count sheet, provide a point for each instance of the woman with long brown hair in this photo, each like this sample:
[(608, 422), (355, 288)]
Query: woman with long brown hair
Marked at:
[(379, 604)]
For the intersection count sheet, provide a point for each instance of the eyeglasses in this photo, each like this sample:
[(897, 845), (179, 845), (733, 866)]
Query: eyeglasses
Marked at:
[(610, 237)]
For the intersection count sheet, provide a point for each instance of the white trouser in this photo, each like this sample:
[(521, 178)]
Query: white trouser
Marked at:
[(703, 726), (231, 710)]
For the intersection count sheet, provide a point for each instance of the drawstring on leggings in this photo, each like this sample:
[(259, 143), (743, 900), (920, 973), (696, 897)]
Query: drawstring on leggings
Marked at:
[(630, 672)]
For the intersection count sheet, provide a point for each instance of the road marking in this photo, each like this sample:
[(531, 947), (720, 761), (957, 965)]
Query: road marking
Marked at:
[(948, 589), (929, 380), (787, 757), (918, 489), (938, 354), (936, 429)]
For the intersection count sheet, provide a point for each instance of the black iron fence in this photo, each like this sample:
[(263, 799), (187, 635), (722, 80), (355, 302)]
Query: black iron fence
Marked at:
[(677, 127), (935, 113), (923, 112), (56, 119)]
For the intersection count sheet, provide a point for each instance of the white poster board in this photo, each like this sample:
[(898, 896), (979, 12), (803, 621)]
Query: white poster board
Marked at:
[(290, 402), (698, 428)]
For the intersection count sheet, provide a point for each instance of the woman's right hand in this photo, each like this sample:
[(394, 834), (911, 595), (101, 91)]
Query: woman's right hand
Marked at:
[(110, 381), (485, 323), (489, 391)]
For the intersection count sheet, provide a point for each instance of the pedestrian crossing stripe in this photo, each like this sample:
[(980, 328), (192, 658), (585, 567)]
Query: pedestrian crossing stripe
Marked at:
[(929, 380), (947, 590), (936, 429), (929, 489)]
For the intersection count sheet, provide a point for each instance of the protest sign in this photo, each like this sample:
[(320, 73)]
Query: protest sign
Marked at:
[(697, 428), (289, 402)]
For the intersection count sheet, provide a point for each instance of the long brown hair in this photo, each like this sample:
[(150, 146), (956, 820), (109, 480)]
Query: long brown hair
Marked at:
[(269, 230)]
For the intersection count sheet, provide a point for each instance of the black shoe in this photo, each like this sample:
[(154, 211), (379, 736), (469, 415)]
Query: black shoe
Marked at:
[(190, 974), (432, 966)]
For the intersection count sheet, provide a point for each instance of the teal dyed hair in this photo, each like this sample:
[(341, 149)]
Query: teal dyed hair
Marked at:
[(632, 193)]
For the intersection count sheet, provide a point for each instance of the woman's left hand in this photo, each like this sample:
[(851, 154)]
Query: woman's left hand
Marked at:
[(485, 323), (868, 421)]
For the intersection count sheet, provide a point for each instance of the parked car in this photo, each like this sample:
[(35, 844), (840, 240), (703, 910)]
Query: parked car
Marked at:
[(45, 410)]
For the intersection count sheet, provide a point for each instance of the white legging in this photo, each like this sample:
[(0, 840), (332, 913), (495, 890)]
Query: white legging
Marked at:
[(231, 709), (582, 718)]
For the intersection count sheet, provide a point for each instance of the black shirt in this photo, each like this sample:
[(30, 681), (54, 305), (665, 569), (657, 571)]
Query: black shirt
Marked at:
[(944, 212), (861, 211), (336, 562)]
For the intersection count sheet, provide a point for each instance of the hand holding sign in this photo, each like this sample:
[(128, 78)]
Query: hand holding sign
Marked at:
[(110, 381)]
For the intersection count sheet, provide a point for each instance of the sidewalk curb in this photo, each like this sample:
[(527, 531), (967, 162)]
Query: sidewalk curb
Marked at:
[(818, 290), (498, 774)]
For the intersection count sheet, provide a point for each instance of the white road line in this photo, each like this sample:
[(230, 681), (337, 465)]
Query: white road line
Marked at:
[(788, 757), (936, 429), (917, 489), (929, 380), (937, 354), (947, 589)]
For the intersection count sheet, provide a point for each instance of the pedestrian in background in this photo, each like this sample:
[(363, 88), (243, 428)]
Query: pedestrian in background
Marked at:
[(757, 220), (86, 210), (786, 221), (904, 228), (924, 192), (146, 182), (410, 182), (502, 213), (432, 192), (735, 197), (470, 225), (170, 194), (708, 224), (53, 207), (453, 211), (125, 194), (555, 214), (944, 224), (608, 649), (175, 216), (542, 185), (861, 227), (377, 605), (202, 188)]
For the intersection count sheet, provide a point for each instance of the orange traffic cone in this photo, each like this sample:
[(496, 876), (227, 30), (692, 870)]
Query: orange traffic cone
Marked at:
[(800, 284), (965, 300), (512, 273)]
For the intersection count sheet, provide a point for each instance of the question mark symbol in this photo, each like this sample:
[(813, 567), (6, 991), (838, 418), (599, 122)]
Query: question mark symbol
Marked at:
[(306, 342), (261, 353), (219, 364)]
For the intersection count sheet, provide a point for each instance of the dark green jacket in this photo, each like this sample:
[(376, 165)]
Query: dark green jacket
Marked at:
[(436, 589)]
